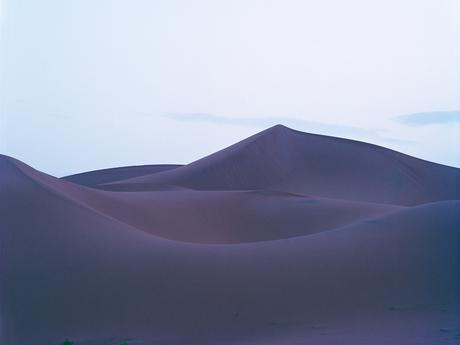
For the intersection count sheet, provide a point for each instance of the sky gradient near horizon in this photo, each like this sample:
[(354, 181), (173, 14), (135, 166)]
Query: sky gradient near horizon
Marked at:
[(93, 84)]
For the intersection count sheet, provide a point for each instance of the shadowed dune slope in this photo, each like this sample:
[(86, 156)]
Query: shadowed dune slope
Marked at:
[(285, 238), (283, 159)]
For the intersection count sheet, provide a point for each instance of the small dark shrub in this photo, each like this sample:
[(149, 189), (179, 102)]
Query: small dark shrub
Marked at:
[(67, 342)]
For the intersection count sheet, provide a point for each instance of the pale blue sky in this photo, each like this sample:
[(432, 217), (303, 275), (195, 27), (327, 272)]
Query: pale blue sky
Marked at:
[(88, 84)]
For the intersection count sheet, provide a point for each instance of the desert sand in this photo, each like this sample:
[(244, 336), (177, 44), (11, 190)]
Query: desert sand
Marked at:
[(284, 238)]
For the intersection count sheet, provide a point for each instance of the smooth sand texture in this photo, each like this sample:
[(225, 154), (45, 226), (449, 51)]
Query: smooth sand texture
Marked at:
[(283, 238)]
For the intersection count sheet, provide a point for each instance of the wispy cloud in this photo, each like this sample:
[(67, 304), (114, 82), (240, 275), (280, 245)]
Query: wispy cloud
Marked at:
[(430, 118), (299, 124), (264, 122)]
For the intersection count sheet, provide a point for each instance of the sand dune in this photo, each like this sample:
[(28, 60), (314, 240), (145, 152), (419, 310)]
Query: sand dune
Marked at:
[(283, 159), (225, 251)]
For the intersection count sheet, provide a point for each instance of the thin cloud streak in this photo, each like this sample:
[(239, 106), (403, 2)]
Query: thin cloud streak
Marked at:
[(299, 124), (430, 118)]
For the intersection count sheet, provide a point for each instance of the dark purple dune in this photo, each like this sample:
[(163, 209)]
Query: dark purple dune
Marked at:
[(274, 240), (283, 159)]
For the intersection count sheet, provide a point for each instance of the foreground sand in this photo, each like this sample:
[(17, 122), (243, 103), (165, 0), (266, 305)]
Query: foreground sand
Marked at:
[(283, 238)]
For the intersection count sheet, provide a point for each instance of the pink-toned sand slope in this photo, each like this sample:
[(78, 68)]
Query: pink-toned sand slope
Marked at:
[(284, 238)]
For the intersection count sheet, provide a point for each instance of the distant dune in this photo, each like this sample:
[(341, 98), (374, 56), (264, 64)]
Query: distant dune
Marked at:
[(284, 238), (94, 178)]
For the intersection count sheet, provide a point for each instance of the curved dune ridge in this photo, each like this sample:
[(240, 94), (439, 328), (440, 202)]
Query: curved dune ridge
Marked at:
[(97, 177), (283, 238)]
